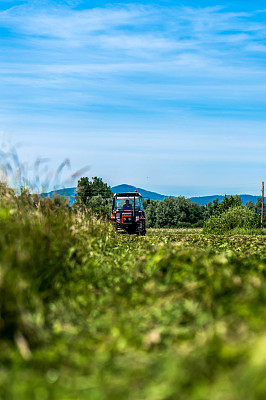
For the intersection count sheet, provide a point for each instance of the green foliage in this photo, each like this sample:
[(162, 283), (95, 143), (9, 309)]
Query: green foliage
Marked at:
[(99, 206), (227, 203), (182, 212), (250, 205), (86, 189), (83, 191), (257, 208), (150, 213), (258, 205), (86, 313), (234, 218), (35, 236), (174, 212), (94, 196)]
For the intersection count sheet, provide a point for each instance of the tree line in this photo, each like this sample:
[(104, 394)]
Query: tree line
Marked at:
[(182, 212), (95, 197)]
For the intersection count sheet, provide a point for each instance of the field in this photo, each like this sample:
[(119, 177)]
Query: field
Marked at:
[(90, 314)]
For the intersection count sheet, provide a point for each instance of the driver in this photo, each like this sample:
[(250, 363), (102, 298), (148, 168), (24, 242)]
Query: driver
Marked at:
[(127, 206)]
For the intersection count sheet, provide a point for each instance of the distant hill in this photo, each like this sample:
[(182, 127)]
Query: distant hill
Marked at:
[(70, 193), (145, 193), (205, 199)]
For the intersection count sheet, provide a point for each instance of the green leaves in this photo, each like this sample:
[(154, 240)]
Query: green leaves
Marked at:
[(232, 219), (90, 314), (174, 212), (91, 194)]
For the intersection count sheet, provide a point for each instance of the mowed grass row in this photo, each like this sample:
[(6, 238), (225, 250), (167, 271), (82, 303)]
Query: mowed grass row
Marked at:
[(90, 314)]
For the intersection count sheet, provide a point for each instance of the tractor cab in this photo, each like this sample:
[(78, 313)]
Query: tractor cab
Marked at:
[(128, 213)]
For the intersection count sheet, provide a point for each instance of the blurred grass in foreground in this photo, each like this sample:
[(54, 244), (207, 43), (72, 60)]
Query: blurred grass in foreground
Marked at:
[(89, 314)]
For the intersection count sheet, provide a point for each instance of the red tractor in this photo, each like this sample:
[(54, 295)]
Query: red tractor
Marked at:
[(128, 213)]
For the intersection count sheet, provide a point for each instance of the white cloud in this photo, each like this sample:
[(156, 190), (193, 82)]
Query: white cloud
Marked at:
[(189, 26), (132, 35), (65, 23)]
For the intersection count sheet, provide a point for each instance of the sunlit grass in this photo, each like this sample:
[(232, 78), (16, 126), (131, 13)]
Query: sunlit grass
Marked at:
[(86, 313)]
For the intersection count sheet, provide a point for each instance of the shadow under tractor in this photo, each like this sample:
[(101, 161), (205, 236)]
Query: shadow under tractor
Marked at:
[(128, 213)]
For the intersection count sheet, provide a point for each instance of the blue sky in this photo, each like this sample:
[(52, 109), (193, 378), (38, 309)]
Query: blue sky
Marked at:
[(164, 95)]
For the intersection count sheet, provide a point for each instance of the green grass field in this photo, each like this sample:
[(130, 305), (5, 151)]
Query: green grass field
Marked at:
[(90, 314)]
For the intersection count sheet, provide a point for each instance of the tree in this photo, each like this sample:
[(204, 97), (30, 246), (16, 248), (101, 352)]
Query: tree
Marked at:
[(98, 187), (175, 212), (99, 206), (92, 195), (257, 207), (86, 189), (150, 212), (82, 191), (226, 203), (211, 208), (250, 205)]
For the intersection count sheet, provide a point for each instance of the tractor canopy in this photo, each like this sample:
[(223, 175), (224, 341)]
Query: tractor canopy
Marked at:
[(127, 202)]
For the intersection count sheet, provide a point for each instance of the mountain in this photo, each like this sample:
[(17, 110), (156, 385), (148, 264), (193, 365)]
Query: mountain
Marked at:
[(145, 193), (70, 193)]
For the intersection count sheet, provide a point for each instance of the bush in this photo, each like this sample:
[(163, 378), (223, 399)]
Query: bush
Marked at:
[(234, 218)]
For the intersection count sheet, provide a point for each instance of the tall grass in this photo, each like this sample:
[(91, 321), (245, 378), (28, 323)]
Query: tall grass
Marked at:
[(38, 238), (89, 314)]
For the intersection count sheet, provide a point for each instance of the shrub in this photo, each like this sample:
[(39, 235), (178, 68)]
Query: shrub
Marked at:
[(232, 219), (227, 203)]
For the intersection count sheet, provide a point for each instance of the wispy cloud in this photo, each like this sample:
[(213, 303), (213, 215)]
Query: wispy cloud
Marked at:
[(135, 26), (205, 37), (62, 22)]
